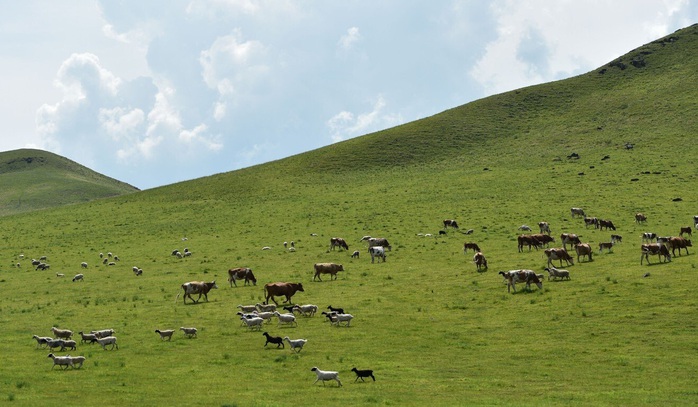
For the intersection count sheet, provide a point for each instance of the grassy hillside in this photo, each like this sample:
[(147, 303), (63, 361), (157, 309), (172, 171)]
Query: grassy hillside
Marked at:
[(35, 179), (436, 331)]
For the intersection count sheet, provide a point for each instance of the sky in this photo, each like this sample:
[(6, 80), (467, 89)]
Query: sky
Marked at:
[(161, 91)]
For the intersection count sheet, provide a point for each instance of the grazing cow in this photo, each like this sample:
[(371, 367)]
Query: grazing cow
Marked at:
[(687, 230), (558, 254), (606, 224), (583, 249), (241, 273), (287, 290), (606, 245), (480, 261), (338, 241), (327, 268), (521, 276), (450, 222), (379, 241), (591, 222), (569, 238), (196, 287), (656, 249), (648, 237), (679, 243), (577, 212), (616, 239), (473, 246), (528, 240), (544, 228), (639, 218), (544, 239), (377, 251)]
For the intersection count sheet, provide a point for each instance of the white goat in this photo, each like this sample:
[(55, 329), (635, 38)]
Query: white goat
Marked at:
[(286, 318), (295, 343), (326, 375), (109, 340), (64, 361), (166, 333), (189, 332)]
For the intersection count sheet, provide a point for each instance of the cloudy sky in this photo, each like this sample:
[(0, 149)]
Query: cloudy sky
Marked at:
[(161, 91)]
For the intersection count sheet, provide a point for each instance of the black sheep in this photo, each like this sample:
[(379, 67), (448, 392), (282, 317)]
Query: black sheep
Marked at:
[(360, 374), (274, 339)]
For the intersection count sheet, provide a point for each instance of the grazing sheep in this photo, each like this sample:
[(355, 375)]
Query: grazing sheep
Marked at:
[(253, 323), (189, 332), (79, 277), (296, 343), (62, 333), (355, 255), (276, 340), (326, 375), (360, 374), (42, 341), (266, 248), (103, 333), (60, 275), (91, 338), (69, 344), (63, 361), (266, 307), (247, 308), (105, 261), (286, 318), (77, 360), (83, 265), (137, 271), (109, 340), (167, 333)]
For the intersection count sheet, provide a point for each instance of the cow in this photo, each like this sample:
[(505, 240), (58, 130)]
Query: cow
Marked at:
[(606, 245), (196, 287), (558, 254), (687, 230), (327, 268), (544, 239), (480, 261), (544, 228), (679, 243), (450, 222), (606, 224), (657, 249), (583, 249), (473, 246), (278, 289), (591, 222), (521, 276), (379, 241), (338, 241), (639, 218), (616, 239), (377, 251), (648, 236), (239, 274), (577, 212), (569, 238), (528, 240), (695, 221)]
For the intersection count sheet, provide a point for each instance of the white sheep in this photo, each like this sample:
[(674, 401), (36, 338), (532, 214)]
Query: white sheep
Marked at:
[(253, 323), (339, 318), (286, 318), (247, 308), (295, 343), (83, 264), (77, 360), (189, 332), (326, 375), (64, 361), (137, 271), (54, 343), (103, 333), (266, 307), (62, 333), (69, 344), (60, 275), (109, 340), (42, 341), (167, 333), (79, 277), (91, 338), (264, 315), (307, 310)]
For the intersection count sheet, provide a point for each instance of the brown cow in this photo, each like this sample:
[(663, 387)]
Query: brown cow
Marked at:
[(287, 290), (450, 222), (516, 276), (639, 217), (687, 230), (583, 249), (591, 222), (558, 254), (544, 239), (606, 245), (473, 246), (569, 238), (327, 268), (338, 241), (527, 240), (679, 243), (604, 223), (196, 287), (657, 249), (239, 274), (480, 261)]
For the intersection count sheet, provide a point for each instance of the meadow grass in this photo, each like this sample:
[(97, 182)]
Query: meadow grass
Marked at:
[(434, 330)]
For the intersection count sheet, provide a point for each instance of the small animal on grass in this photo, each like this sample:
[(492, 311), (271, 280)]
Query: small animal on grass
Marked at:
[(165, 334), (296, 344), (189, 332), (360, 374), (326, 375), (276, 340)]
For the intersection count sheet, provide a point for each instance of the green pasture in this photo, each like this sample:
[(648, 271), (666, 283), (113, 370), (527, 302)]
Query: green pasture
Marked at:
[(434, 330)]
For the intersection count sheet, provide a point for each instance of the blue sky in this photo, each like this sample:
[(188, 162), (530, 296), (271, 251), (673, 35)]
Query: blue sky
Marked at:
[(157, 92)]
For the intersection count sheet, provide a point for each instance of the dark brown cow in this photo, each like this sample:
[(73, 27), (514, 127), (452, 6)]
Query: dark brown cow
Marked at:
[(338, 241), (679, 243), (528, 240), (583, 249), (521, 276), (196, 287), (639, 217), (327, 268), (687, 230), (591, 222), (287, 290), (450, 222), (604, 223), (605, 245), (473, 246), (558, 253), (656, 249), (241, 273), (544, 239), (569, 238), (480, 261)]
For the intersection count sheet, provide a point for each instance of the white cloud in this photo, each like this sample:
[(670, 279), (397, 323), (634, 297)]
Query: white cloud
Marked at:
[(346, 124), (348, 40), (121, 123)]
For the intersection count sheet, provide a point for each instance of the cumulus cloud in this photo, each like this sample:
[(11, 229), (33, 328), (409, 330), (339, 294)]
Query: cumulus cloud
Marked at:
[(348, 40), (346, 124)]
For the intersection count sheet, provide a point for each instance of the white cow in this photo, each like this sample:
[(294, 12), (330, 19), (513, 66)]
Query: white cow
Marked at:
[(377, 251)]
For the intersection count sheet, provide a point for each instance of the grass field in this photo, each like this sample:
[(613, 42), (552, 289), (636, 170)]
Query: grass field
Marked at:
[(434, 330)]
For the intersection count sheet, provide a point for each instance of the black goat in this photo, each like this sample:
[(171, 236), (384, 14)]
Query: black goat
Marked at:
[(360, 374), (274, 339), (337, 310)]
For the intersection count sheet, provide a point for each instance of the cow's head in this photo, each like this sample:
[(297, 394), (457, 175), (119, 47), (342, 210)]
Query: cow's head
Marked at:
[(299, 287)]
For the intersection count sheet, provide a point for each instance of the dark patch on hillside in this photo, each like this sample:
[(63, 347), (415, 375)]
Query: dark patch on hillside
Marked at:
[(16, 164)]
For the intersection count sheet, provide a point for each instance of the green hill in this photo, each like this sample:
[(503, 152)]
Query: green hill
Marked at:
[(434, 330), (36, 179)]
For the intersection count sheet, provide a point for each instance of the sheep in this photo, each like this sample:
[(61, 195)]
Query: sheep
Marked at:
[(339, 318), (103, 333), (555, 273), (64, 361), (254, 322), (54, 343), (189, 332), (329, 315), (326, 375), (167, 333), (83, 264), (109, 340), (273, 339), (77, 360), (291, 309), (264, 315), (307, 310), (69, 344), (62, 333), (286, 318), (266, 307), (79, 277), (247, 308), (337, 310), (116, 258), (137, 271), (60, 275), (91, 338), (360, 374), (42, 341), (105, 261), (355, 255), (266, 248), (296, 343), (244, 316)]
